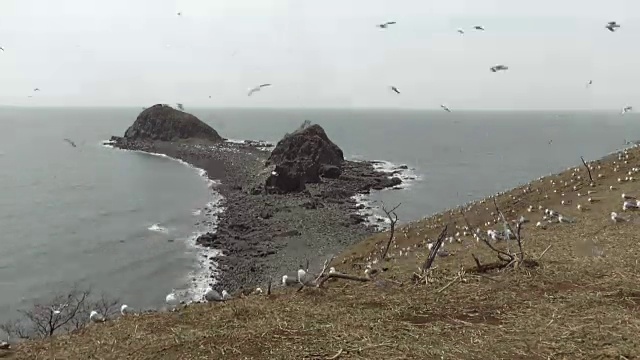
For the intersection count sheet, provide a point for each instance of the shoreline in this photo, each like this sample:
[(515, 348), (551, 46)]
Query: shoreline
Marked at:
[(581, 288), (200, 277), (257, 238)]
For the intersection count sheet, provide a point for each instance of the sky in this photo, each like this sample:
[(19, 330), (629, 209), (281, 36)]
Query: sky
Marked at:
[(320, 53)]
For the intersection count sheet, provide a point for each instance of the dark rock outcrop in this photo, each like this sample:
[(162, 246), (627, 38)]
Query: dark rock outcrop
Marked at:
[(162, 122), (303, 157)]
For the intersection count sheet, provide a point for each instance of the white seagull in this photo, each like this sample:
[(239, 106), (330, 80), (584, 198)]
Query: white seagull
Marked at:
[(445, 108), (288, 281), (479, 27), (386, 25), (257, 88), (1, 48), (212, 295), (612, 26), (125, 309), (617, 218), (395, 89), (36, 89), (498, 68), (589, 83), (305, 278), (629, 205), (461, 31), (172, 299), (626, 109), (226, 295), (95, 317)]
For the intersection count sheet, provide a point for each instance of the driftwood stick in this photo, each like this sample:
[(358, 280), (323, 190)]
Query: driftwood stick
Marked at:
[(434, 250), (393, 219), (449, 284), (477, 261), (341, 276), (544, 252), (588, 170)]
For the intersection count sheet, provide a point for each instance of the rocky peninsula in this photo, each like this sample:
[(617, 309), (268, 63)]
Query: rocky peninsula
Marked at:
[(280, 208)]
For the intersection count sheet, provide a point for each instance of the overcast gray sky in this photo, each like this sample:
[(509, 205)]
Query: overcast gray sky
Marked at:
[(320, 53)]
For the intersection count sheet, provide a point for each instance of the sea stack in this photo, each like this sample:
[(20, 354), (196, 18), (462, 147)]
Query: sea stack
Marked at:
[(164, 123), (301, 157)]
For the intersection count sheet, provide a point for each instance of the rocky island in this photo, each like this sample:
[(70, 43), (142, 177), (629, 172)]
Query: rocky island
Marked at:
[(280, 208)]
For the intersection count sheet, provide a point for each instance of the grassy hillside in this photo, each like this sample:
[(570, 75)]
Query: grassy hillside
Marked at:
[(576, 297)]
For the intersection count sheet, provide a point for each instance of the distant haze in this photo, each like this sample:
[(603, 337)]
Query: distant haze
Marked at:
[(321, 53)]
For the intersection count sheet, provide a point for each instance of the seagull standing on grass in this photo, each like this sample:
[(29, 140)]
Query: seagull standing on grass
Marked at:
[(257, 88), (96, 317), (305, 278), (629, 205), (612, 26), (617, 218), (289, 281), (226, 295), (395, 89), (172, 299), (386, 25), (125, 309)]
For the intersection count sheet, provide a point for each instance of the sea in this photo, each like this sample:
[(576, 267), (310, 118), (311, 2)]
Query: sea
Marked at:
[(124, 223)]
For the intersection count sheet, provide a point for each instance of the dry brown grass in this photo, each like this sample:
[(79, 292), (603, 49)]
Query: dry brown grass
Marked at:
[(573, 306)]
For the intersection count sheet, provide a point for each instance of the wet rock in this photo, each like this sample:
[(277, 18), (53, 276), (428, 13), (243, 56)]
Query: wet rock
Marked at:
[(331, 171)]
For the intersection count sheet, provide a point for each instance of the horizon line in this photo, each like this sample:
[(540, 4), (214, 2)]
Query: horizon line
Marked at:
[(307, 108)]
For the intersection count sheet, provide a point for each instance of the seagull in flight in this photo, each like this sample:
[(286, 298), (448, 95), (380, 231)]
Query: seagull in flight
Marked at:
[(479, 27), (257, 88), (626, 109), (179, 14), (386, 25), (461, 31), (1, 48), (589, 83), (395, 89), (612, 26), (70, 142), (498, 68), (445, 108), (36, 89)]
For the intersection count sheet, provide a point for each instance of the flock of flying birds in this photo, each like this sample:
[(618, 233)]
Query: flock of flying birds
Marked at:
[(612, 26)]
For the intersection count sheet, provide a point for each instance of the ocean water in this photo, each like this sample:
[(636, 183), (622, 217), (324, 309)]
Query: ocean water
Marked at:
[(123, 222)]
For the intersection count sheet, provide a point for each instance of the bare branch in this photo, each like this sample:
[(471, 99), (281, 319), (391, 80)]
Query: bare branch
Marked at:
[(434, 249), (324, 268), (393, 219), (588, 170), (503, 256)]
